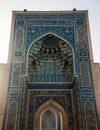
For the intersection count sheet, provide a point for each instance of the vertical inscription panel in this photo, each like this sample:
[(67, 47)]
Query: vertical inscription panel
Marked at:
[(19, 39), (85, 74), (81, 38), (16, 75), (19, 44)]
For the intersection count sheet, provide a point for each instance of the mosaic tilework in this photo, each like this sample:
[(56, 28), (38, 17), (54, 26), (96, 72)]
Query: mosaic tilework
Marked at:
[(16, 75), (50, 23), (87, 92), (38, 97), (81, 38), (48, 77), (59, 16), (15, 94), (12, 116), (50, 60), (34, 32), (85, 74), (89, 114), (83, 53), (50, 86), (19, 39), (66, 32), (20, 22), (18, 44)]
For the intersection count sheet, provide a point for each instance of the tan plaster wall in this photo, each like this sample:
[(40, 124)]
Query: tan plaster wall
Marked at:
[(96, 79), (4, 74)]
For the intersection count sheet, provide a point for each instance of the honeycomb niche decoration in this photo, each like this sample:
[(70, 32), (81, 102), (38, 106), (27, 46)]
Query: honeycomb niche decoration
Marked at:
[(50, 56)]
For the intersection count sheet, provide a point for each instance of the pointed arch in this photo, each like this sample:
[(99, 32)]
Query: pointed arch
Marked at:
[(43, 107), (67, 43), (48, 119)]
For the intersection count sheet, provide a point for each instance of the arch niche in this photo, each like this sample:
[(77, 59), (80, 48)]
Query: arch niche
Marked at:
[(48, 119), (53, 56), (50, 107)]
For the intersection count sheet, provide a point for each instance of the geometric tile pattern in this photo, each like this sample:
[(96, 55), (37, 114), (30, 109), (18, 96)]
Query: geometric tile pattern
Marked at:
[(85, 74), (12, 116), (89, 113), (16, 75), (38, 97)]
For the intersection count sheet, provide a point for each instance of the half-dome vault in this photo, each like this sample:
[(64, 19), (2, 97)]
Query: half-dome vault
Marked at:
[(50, 59)]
